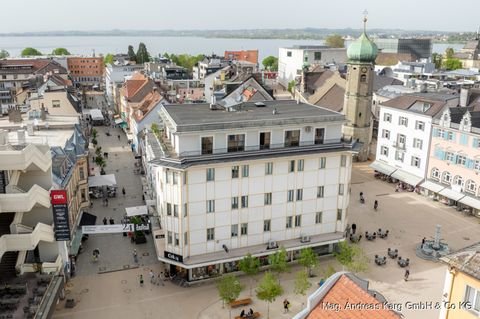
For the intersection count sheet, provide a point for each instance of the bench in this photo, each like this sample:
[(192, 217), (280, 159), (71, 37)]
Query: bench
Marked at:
[(241, 302), (255, 316)]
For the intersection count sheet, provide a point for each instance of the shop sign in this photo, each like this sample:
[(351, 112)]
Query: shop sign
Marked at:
[(140, 227), (108, 229), (173, 256), (60, 215)]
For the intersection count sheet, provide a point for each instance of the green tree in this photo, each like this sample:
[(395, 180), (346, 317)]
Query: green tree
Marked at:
[(108, 59), (278, 261), (351, 257), (60, 51), (301, 283), (268, 289), (100, 161), (98, 151), (30, 52), (449, 52), (142, 54), (229, 289), (94, 133), (308, 259), (270, 63), (291, 86), (131, 54), (250, 266), (4, 54), (184, 60), (452, 64), (335, 41), (437, 60)]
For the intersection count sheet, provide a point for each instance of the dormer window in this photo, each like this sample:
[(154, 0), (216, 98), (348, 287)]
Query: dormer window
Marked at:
[(426, 107)]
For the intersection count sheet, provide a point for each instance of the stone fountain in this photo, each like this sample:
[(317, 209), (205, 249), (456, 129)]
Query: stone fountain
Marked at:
[(434, 248)]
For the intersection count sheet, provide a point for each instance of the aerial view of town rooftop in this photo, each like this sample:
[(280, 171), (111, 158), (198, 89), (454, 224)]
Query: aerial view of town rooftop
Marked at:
[(207, 160)]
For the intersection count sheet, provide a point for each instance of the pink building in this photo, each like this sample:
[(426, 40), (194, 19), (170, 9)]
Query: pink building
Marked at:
[(453, 174)]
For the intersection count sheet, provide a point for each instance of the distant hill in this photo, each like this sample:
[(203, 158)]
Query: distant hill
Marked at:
[(306, 33)]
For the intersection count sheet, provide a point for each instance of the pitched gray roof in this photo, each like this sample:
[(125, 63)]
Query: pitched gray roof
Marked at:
[(466, 260)]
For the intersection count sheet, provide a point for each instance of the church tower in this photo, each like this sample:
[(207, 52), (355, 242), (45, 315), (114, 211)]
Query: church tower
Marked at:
[(358, 93)]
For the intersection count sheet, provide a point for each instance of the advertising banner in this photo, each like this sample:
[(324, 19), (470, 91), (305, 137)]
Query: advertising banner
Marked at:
[(60, 215)]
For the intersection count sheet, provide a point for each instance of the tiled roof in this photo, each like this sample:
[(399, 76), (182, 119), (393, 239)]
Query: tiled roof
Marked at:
[(466, 260), (30, 66), (333, 99), (405, 102), (148, 104), (344, 291)]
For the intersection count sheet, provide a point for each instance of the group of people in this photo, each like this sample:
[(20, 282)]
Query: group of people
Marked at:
[(110, 220), (362, 200), (154, 279), (248, 314)]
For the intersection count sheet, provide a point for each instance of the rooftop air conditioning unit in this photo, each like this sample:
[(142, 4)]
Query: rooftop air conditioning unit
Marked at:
[(308, 129), (305, 239), (272, 244)]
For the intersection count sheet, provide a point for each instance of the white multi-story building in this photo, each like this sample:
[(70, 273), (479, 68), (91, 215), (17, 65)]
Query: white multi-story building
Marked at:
[(292, 59), (248, 179), (115, 75), (404, 134)]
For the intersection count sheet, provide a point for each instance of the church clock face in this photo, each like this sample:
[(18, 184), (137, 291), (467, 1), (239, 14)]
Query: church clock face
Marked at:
[(364, 70)]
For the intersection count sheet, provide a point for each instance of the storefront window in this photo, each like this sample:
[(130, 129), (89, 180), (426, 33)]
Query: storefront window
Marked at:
[(205, 272), (230, 266)]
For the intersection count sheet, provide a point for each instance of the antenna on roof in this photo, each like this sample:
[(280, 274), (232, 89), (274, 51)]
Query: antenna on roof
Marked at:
[(365, 19)]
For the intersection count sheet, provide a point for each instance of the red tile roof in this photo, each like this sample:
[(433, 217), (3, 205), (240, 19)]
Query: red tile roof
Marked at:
[(346, 290)]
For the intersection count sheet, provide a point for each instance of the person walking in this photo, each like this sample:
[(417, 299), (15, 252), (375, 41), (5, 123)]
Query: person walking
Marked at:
[(118, 137), (123, 191), (135, 256), (104, 220), (106, 201), (160, 279), (111, 221), (423, 242), (141, 280), (354, 229), (407, 274), (375, 205), (152, 277), (286, 305)]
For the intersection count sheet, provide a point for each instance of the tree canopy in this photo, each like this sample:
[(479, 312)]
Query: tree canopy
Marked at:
[(184, 60), (278, 261), (268, 289), (131, 54), (142, 54), (437, 60), (301, 283), (308, 259), (351, 257), (270, 63), (335, 41), (60, 51), (250, 266), (449, 52), (30, 52), (452, 64), (229, 288), (4, 54), (108, 59)]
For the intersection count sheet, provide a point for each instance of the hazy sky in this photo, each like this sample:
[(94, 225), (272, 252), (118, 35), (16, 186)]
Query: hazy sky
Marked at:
[(46, 15)]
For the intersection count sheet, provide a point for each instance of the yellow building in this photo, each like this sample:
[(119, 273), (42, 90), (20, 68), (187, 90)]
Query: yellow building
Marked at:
[(461, 292)]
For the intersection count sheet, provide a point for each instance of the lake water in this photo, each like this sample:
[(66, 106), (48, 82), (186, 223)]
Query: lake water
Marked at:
[(191, 45)]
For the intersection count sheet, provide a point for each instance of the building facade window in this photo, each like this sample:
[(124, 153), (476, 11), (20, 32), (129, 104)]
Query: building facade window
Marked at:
[(211, 206), (266, 225), (169, 237), (234, 230), (447, 177), (269, 168), (207, 145), (449, 156), (384, 150), (236, 143), (401, 141), (235, 171), (244, 229), (290, 195), (175, 210), (435, 173), (264, 140), (317, 55), (210, 234), (322, 162), (472, 297), (458, 180), (341, 189), (419, 125), (55, 103), (169, 209), (386, 134), (339, 214), (210, 174), (245, 170), (343, 160), (185, 238), (471, 187), (417, 143), (291, 166), (289, 222), (319, 135), (476, 165), (267, 199), (177, 239), (299, 194), (81, 173), (185, 210), (298, 220), (387, 117), (320, 191), (234, 202), (292, 138), (399, 156), (318, 217), (403, 121), (244, 201), (415, 161), (300, 165), (461, 160)]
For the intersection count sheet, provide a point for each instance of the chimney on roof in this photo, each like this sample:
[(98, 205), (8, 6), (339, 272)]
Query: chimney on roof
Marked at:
[(464, 94)]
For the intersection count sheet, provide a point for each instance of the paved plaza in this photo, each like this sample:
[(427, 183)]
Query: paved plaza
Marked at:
[(409, 217)]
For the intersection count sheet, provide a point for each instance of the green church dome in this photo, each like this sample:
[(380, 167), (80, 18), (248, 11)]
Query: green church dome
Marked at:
[(362, 50)]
